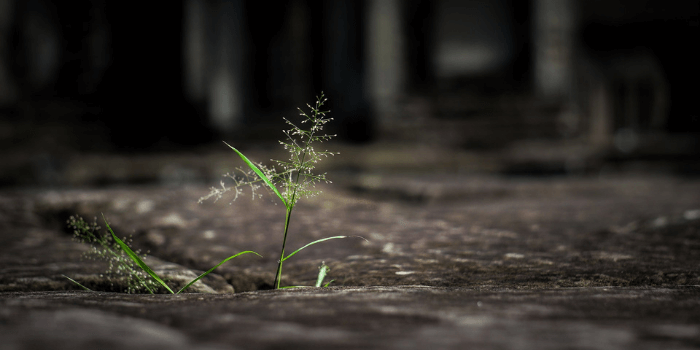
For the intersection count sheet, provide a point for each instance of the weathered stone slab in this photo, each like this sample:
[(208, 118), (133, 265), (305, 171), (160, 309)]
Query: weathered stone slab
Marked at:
[(449, 262), (451, 232), (403, 317)]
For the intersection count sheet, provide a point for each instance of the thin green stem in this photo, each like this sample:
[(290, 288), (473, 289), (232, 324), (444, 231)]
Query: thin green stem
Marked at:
[(278, 275), (290, 206)]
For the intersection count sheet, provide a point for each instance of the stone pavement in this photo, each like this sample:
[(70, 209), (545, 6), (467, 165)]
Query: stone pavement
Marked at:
[(450, 261)]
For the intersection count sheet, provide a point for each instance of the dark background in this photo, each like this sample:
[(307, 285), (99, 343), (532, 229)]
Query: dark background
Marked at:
[(114, 77)]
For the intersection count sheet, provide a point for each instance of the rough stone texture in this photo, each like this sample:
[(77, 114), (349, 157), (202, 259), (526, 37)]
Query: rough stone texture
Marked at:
[(449, 262), (401, 317)]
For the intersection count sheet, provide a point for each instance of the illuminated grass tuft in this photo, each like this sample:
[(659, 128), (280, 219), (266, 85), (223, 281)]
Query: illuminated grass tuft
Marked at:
[(119, 254), (294, 178)]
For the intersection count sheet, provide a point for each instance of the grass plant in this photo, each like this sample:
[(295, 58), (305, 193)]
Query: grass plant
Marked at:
[(294, 177), (123, 260), (104, 247), (322, 271), (291, 179)]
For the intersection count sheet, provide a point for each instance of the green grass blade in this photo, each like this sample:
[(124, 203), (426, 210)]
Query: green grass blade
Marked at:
[(260, 173), (312, 243), (212, 269), (328, 284), (322, 271), (135, 257), (74, 281)]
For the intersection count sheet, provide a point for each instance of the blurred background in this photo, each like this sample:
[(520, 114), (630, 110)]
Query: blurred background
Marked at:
[(95, 92)]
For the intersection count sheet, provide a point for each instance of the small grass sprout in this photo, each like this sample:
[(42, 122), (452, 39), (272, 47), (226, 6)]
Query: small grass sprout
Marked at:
[(292, 179), (105, 247), (116, 251), (322, 271)]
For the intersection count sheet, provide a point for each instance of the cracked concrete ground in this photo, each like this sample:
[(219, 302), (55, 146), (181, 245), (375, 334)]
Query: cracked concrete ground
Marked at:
[(450, 262)]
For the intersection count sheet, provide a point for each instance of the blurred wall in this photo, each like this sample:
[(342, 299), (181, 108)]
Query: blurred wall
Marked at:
[(470, 73), (472, 37)]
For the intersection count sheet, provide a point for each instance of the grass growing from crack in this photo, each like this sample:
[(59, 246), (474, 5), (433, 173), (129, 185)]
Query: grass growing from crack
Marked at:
[(295, 177), (123, 260), (104, 247)]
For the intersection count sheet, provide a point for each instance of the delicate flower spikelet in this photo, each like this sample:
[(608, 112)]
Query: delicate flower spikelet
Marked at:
[(294, 178)]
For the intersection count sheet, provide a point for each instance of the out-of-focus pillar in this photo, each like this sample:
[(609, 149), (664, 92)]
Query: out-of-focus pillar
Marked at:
[(299, 79), (225, 100), (554, 26), (385, 61), (8, 91), (213, 59), (195, 49)]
